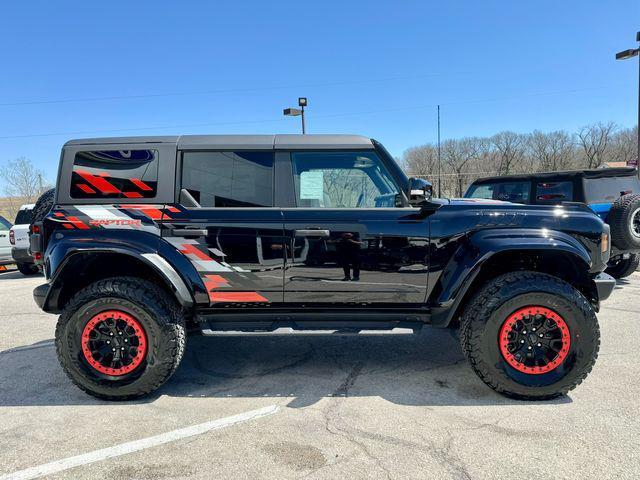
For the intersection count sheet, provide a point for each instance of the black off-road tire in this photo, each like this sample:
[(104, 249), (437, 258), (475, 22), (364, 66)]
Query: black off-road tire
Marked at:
[(27, 268), (623, 267), (158, 315), (624, 220), (489, 309), (43, 206)]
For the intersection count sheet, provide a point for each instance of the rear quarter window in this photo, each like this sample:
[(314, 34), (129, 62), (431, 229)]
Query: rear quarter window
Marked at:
[(115, 174), (608, 190)]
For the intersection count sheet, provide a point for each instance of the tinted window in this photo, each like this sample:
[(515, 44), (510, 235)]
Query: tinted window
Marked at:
[(343, 180), (517, 192), (229, 179), (554, 192), (23, 217), (4, 224), (115, 174), (606, 190)]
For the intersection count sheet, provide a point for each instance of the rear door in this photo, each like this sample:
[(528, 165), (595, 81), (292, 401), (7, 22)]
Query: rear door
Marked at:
[(349, 238), (227, 226)]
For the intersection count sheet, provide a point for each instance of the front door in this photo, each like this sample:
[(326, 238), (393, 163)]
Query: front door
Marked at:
[(350, 240), (227, 227)]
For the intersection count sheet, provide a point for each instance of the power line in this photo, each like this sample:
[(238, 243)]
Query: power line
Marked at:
[(335, 115), (231, 90)]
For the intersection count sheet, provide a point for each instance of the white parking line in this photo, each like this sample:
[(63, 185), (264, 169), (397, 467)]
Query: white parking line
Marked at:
[(137, 445)]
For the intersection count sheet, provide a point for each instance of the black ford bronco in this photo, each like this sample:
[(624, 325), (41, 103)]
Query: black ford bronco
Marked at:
[(612, 193), (148, 239)]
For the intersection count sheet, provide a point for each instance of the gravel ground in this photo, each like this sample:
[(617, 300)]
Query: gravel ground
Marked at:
[(349, 407)]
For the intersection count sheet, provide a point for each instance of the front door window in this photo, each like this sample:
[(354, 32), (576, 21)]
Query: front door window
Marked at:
[(343, 180)]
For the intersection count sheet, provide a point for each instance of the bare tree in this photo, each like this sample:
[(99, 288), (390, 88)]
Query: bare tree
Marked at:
[(509, 151), (624, 145), (594, 141), (22, 179), (458, 156), (553, 150), (421, 161)]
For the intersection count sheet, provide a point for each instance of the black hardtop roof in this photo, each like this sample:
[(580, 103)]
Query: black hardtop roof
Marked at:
[(251, 142), (568, 174)]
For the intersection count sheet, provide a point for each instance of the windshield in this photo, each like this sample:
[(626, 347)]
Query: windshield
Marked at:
[(4, 224), (607, 190), (517, 192)]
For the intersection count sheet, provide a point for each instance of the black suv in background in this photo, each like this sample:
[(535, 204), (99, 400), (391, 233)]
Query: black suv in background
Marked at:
[(149, 238), (612, 193)]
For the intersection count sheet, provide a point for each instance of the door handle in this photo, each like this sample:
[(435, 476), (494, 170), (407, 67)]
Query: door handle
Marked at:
[(190, 232), (312, 232)]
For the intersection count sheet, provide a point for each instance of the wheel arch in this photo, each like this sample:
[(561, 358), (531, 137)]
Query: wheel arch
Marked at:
[(487, 256), (83, 267)]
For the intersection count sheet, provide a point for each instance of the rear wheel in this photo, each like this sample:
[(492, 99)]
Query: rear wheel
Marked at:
[(27, 268), (623, 267), (120, 338), (529, 335)]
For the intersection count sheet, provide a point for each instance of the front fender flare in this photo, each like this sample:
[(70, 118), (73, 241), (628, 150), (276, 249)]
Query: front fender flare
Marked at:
[(477, 249)]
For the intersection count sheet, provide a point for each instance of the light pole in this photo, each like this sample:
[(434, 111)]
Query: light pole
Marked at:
[(294, 112), (624, 55)]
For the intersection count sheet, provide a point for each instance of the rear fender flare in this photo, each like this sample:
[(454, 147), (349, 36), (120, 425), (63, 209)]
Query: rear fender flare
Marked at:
[(62, 254)]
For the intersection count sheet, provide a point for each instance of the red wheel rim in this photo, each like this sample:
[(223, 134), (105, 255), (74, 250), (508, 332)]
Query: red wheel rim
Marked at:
[(534, 340), (114, 343)]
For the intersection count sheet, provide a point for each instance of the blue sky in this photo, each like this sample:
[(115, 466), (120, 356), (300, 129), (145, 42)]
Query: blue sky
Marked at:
[(373, 68)]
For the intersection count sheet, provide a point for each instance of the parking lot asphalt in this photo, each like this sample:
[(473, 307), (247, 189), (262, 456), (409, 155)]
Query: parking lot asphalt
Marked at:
[(338, 407)]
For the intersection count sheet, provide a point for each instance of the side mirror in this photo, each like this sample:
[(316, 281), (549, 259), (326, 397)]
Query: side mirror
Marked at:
[(420, 191)]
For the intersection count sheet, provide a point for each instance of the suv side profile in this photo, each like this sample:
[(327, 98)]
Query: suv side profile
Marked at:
[(612, 193), (150, 238)]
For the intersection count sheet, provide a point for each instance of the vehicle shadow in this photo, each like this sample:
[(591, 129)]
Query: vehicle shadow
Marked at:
[(10, 275), (421, 370)]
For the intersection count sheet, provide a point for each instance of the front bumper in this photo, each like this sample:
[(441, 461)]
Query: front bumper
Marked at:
[(605, 284), (21, 255), (40, 294)]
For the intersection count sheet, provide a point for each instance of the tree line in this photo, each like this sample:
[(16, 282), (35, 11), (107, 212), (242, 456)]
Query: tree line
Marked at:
[(463, 160)]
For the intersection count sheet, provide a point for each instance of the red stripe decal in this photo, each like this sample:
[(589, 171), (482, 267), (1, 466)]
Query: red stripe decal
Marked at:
[(173, 209), (152, 212), (141, 185), (78, 223), (215, 281), (236, 297), (132, 194), (67, 225), (86, 188), (100, 183), (189, 249), (58, 214)]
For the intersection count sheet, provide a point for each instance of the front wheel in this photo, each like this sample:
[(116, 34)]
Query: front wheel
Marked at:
[(530, 335), (120, 338)]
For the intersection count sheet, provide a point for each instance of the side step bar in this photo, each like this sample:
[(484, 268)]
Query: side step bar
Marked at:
[(282, 331)]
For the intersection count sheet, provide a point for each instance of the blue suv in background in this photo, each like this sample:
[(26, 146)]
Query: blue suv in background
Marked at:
[(612, 193)]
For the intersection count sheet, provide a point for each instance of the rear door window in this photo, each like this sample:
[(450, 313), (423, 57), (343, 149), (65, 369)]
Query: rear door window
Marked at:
[(229, 179), (517, 192), (549, 193), (115, 174)]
